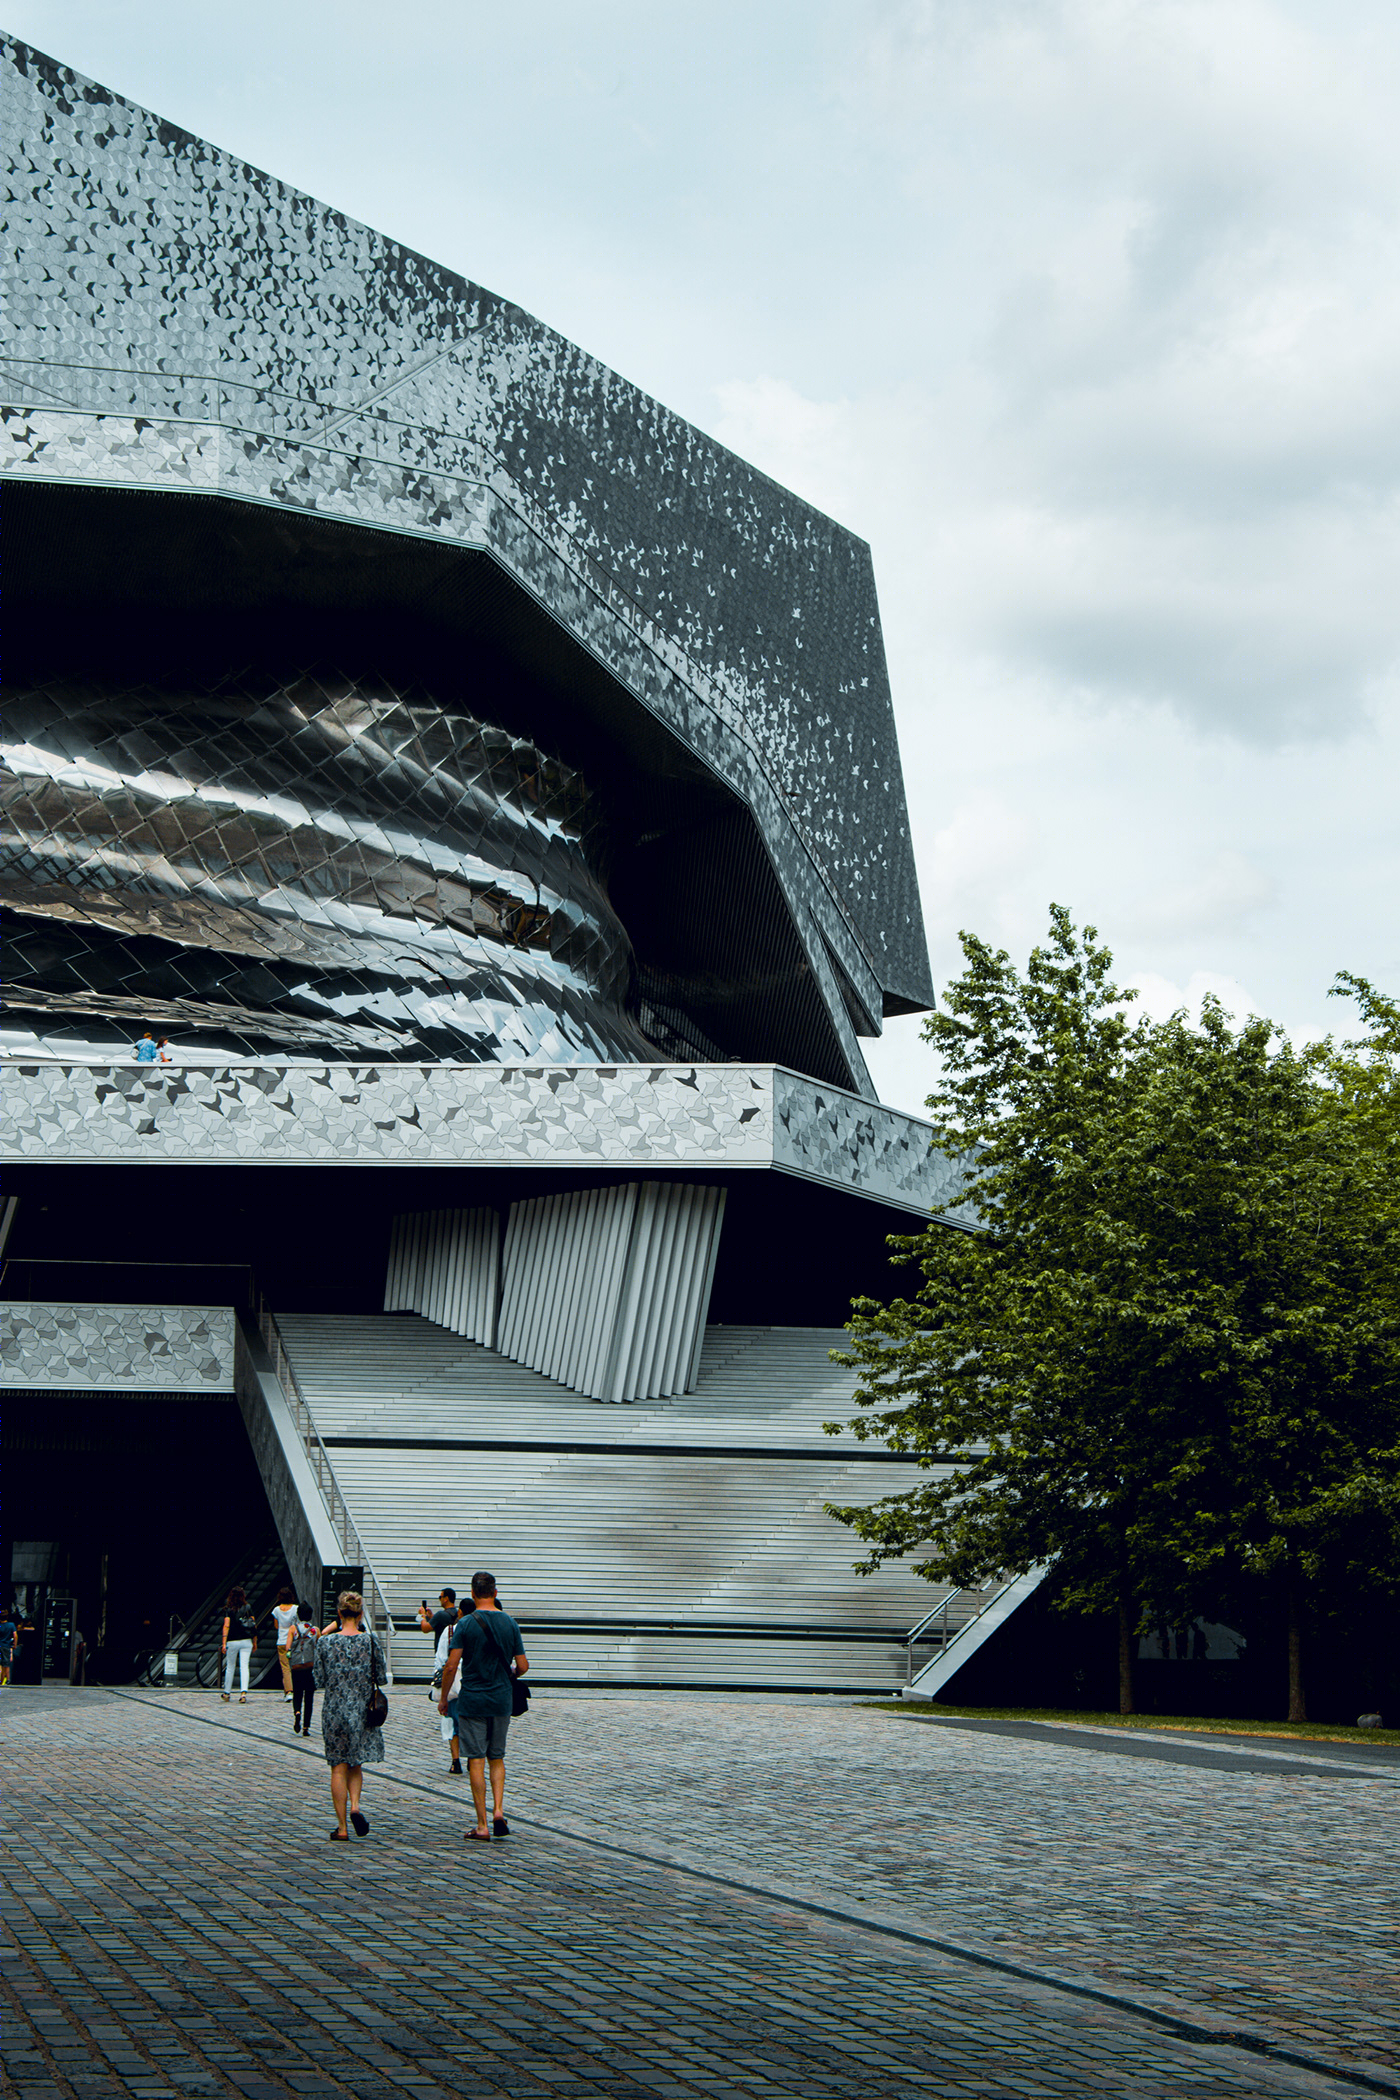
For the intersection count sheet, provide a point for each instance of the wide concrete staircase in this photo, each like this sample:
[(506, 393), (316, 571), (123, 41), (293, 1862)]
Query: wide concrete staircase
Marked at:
[(680, 1541)]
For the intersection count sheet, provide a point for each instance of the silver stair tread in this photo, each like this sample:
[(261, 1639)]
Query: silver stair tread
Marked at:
[(621, 1534), (398, 1375)]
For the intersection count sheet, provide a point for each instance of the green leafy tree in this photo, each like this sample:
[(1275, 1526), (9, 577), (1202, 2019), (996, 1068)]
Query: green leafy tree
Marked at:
[(1159, 1357)]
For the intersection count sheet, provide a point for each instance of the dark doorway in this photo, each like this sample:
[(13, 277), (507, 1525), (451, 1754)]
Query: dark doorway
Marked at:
[(149, 1499)]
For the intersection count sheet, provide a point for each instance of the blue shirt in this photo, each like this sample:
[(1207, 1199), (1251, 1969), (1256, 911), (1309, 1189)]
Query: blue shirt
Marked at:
[(146, 1051), (489, 1641)]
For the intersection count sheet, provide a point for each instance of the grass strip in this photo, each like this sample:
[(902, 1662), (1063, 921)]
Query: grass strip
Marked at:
[(1287, 1731)]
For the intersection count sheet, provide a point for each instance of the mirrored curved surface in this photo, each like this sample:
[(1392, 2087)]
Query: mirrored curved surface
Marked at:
[(324, 866)]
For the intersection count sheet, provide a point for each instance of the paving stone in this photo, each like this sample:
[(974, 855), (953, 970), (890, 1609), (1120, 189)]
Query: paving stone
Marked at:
[(172, 1878)]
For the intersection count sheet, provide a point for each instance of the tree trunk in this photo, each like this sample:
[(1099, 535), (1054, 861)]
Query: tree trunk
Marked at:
[(1297, 1702), (1127, 1642)]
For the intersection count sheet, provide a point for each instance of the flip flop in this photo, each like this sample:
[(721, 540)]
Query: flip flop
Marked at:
[(360, 1822), (340, 1837), (483, 1837), (500, 1827)]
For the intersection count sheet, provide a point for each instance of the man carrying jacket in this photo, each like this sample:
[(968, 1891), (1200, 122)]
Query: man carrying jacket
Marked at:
[(485, 1655)]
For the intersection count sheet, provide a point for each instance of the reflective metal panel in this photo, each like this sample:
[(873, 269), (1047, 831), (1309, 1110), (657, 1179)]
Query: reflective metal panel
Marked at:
[(325, 865), (178, 321)]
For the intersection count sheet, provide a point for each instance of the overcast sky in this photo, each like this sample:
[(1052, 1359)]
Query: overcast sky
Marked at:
[(1086, 313)]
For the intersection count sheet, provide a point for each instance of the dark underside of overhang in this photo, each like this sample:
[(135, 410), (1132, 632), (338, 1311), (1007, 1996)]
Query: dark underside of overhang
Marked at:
[(791, 1253), (168, 589)]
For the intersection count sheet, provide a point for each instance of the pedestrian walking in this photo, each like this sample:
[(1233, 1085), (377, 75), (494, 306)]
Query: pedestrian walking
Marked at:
[(240, 1637), (8, 1633), (284, 1612), (301, 1654), (347, 1665), (448, 1721), (147, 1050), (485, 1657)]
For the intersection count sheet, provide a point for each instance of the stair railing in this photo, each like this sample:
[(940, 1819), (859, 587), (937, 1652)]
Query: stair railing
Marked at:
[(941, 1617), (936, 1626), (937, 1619), (342, 1523)]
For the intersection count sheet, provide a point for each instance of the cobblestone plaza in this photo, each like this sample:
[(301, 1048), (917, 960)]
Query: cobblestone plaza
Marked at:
[(700, 1895)]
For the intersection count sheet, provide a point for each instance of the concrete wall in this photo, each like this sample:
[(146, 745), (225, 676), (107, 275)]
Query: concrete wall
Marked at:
[(303, 1524)]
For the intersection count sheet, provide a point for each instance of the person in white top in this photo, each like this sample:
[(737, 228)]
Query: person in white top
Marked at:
[(448, 1721), (285, 1617)]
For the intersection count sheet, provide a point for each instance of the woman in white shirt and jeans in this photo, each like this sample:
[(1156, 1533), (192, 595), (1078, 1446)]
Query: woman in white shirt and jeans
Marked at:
[(239, 1638), (285, 1614)]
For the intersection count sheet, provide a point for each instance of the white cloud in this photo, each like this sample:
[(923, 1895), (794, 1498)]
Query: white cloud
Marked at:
[(1219, 898), (1159, 998)]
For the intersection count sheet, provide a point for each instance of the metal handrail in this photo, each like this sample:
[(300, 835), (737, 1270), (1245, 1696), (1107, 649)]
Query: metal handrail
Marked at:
[(342, 1523), (990, 1593), (940, 1611)]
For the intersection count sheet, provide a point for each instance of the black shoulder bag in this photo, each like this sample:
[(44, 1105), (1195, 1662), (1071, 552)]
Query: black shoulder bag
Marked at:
[(377, 1710)]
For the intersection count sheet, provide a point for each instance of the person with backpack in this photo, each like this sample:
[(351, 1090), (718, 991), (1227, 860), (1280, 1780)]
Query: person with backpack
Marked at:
[(240, 1637), (301, 1659), (484, 1660)]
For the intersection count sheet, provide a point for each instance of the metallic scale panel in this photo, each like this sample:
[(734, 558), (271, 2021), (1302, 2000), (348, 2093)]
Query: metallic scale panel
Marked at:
[(325, 867), (175, 321)]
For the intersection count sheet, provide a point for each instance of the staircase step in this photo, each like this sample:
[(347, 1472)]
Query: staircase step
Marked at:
[(625, 1533)]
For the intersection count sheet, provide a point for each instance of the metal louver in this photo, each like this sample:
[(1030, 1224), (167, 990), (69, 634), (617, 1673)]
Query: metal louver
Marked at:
[(446, 1265), (606, 1291)]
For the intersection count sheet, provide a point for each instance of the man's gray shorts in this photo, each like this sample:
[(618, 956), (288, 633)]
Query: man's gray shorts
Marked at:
[(482, 1735)]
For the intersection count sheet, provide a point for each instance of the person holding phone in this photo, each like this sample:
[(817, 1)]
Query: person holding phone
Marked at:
[(445, 1615)]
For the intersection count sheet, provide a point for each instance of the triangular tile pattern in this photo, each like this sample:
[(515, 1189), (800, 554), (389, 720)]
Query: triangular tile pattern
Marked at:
[(328, 865), (134, 1348)]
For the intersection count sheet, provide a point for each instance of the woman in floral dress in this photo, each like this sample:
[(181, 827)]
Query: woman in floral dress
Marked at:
[(343, 1673)]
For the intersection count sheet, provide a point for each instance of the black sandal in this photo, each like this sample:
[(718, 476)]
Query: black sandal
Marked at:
[(482, 1837), (340, 1837), (359, 1822), (500, 1827)]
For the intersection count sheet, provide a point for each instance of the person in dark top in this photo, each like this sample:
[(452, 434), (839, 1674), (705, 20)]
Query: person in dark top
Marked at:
[(240, 1637), (301, 1657), (445, 1615), (8, 1631), (486, 1653)]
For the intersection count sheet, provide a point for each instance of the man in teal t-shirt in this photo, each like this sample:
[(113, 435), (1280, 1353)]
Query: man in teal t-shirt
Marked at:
[(486, 1654)]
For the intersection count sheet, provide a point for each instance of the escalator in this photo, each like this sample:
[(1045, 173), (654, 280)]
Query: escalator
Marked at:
[(262, 1572)]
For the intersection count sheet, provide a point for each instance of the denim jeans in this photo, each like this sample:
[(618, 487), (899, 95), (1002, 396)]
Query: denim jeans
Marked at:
[(241, 1653)]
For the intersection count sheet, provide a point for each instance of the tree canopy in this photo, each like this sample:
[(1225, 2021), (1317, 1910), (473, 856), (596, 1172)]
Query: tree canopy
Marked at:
[(1166, 1353)]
